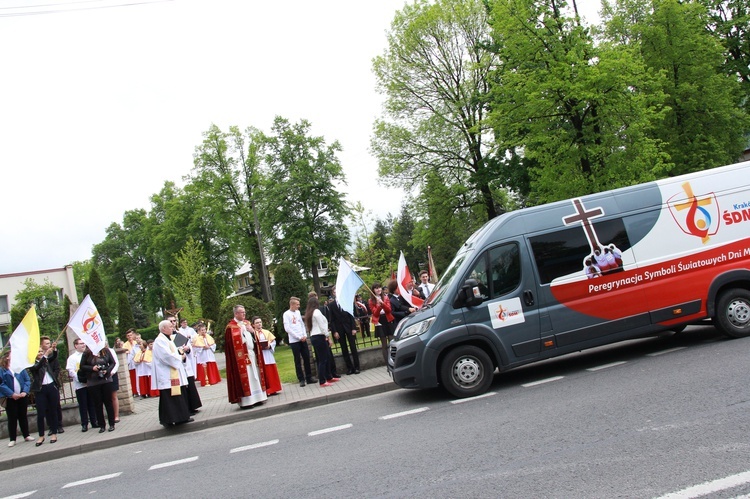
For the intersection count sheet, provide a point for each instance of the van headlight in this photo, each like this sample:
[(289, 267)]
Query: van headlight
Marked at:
[(418, 328)]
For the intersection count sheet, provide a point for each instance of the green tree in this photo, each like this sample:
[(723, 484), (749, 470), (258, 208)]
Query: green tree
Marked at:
[(125, 319), (46, 299), (729, 21), (302, 209), (99, 297), (227, 175), (705, 124), (582, 114), (190, 265), (434, 75), (209, 296), (288, 283)]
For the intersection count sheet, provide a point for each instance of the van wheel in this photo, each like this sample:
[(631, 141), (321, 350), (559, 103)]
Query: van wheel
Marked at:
[(466, 371), (733, 313)]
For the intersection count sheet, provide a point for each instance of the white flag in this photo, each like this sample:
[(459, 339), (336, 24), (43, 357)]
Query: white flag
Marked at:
[(347, 284), (87, 324)]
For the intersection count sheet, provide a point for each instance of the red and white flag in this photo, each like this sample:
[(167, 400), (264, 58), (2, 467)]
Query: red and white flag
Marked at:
[(403, 278), (87, 324)]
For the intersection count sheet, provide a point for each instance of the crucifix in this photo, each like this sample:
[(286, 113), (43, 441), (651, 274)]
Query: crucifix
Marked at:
[(585, 218)]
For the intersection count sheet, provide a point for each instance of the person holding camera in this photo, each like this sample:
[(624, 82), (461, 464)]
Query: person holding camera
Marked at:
[(98, 369)]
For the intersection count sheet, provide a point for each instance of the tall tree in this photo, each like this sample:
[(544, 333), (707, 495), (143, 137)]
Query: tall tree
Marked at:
[(434, 75), (704, 125), (190, 265), (209, 294), (288, 283), (302, 210), (580, 114), (226, 173), (125, 319)]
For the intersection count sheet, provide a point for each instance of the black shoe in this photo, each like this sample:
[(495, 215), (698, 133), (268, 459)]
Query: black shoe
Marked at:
[(84, 428), (101, 429), (312, 380), (350, 372), (356, 371), (49, 433), (302, 383), (111, 428), (61, 430), (94, 425)]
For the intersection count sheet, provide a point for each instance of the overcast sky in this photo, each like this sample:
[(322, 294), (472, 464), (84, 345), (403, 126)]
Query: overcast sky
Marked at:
[(100, 104)]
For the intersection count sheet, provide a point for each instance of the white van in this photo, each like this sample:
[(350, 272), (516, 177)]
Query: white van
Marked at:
[(549, 280)]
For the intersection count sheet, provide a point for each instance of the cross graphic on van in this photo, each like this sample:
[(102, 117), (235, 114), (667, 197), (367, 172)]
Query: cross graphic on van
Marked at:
[(585, 218)]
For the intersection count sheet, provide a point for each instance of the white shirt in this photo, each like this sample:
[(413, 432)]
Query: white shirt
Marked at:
[(294, 326), (319, 324), (72, 366)]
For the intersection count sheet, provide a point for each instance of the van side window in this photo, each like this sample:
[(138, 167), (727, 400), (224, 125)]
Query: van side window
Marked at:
[(564, 252), (498, 271)]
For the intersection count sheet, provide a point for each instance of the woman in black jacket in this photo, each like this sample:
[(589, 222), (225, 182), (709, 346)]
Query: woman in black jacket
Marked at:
[(44, 386), (98, 369)]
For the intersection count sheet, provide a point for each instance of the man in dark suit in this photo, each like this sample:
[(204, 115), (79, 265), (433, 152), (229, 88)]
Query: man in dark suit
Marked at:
[(344, 329)]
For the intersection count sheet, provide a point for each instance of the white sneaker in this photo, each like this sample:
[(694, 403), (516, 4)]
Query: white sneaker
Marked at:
[(11, 443), (29, 438)]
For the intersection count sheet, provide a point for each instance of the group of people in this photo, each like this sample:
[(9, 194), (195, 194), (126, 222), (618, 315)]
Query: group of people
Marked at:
[(605, 260), (94, 381), (252, 374), (388, 308)]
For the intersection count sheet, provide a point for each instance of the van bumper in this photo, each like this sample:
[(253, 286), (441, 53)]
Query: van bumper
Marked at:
[(409, 363)]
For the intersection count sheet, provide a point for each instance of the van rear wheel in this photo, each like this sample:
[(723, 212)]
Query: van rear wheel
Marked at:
[(733, 313), (466, 371)]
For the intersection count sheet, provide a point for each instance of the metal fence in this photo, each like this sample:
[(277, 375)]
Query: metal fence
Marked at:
[(365, 337)]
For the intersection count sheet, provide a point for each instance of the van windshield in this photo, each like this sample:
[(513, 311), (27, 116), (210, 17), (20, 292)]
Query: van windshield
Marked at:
[(445, 282)]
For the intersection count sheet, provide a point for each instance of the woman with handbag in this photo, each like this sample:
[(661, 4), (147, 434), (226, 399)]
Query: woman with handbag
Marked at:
[(98, 369), (15, 388)]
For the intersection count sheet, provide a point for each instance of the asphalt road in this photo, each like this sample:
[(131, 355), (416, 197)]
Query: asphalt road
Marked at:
[(646, 418)]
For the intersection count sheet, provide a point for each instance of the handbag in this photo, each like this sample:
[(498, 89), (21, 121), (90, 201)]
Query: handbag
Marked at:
[(82, 376)]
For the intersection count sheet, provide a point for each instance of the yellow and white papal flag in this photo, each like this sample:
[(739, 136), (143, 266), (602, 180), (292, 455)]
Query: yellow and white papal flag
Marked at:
[(24, 342), (87, 324)]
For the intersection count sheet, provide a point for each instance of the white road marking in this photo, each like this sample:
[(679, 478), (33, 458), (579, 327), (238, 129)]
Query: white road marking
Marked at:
[(605, 366), (542, 381), (469, 399), (254, 446), (92, 480), (173, 463), (662, 352), (710, 487), (19, 496), (328, 430), (405, 413)]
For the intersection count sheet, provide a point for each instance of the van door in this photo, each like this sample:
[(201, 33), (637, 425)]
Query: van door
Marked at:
[(509, 313)]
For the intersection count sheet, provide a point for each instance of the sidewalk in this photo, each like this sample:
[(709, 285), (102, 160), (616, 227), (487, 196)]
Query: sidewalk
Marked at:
[(144, 424)]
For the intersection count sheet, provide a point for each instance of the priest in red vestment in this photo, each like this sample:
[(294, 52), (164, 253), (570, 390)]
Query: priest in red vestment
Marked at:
[(244, 361)]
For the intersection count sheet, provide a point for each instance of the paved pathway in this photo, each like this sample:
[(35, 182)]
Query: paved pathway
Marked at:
[(144, 422)]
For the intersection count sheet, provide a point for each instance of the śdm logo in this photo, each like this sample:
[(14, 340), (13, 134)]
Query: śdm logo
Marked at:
[(91, 321), (696, 216), (501, 312)]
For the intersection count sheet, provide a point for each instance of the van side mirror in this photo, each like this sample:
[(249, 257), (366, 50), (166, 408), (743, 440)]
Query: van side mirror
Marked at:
[(469, 295)]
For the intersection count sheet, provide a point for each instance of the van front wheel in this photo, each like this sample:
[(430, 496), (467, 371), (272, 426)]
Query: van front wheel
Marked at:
[(733, 313), (466, 371)]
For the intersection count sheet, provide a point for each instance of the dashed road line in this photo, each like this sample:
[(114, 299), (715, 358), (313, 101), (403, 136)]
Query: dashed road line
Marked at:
[(173, 463), (405, 413), (91, 480), (329, 430), (254, 446), (469, 399), (542, 381), (706, 488), (606, 366), (662, 352), (19, 496)]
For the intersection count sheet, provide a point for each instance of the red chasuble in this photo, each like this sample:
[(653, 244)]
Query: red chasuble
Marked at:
[(235, 350)]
